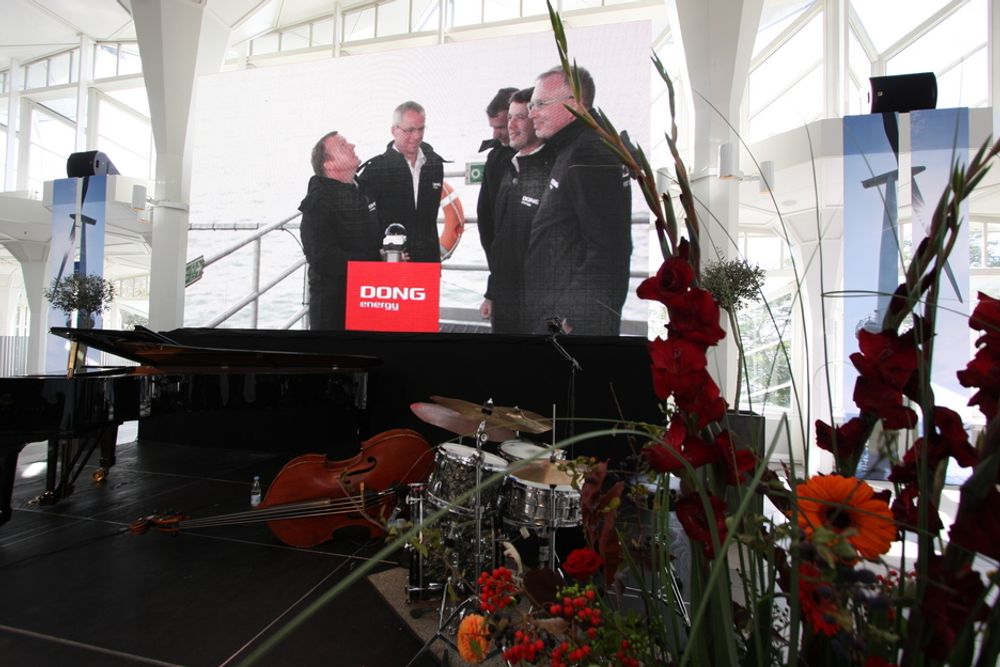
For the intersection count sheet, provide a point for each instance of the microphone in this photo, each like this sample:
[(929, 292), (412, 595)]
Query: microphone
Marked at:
[(555, 325)]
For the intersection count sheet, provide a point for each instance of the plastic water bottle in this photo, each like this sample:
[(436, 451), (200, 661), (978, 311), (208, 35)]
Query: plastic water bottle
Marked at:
[(255, 494)]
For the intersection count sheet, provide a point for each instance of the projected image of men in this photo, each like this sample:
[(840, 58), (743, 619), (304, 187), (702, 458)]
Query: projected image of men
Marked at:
[(405, 182), (524, 183), (338, 225), (577, 262)]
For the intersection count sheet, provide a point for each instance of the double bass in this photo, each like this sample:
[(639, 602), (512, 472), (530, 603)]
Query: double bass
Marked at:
[(313, 497)]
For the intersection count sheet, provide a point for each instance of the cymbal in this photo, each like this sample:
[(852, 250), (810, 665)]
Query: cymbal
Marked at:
[(543, 472), (449, 420), (513, 418)]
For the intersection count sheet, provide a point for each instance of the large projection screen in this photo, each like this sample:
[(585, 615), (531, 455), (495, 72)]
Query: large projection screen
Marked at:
[(253, 131)]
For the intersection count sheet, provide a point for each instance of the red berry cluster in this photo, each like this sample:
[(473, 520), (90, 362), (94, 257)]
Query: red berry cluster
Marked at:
[(579, 608), (496, 590), (623, 655), (563, 656), (526, 647)]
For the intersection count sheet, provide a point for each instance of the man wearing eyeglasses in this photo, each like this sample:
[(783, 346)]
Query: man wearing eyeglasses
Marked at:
[(338, 225), (524, 183), (577, 261), (405, 183)]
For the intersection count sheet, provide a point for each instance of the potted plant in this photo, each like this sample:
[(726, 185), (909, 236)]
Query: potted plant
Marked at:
[(84, 294)]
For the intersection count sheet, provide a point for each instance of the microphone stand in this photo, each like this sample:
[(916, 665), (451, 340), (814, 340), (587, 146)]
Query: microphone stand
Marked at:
[(556, 329)]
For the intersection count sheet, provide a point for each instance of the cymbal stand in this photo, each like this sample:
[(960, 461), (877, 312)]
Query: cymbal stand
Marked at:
[(473, 597), (551, 528)]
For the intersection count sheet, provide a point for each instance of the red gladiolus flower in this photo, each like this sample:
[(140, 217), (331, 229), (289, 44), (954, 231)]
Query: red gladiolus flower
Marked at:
[(674, 276), (978, 529), (581, 564), (845, 441), (906, 510), (983, 372), (694, 316), (817, 601), (950, 602), (702, 398), (679, 444), (676, 363), (886, 364), (739, 463), (949, 439), (691, 514)]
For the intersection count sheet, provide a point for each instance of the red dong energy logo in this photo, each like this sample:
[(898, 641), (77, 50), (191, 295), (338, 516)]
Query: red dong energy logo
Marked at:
[(384, 297)]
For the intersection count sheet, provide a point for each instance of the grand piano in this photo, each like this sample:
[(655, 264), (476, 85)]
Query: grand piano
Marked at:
[(79, 413)]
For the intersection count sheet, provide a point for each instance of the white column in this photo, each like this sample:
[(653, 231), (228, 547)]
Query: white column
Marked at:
[(178, 41), (84, 115), (716, 39), (993, 45), (13, 167), (834, 57), (33, 257)]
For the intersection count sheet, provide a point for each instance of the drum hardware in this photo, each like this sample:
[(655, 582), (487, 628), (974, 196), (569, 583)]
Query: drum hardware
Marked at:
[(479, 459)]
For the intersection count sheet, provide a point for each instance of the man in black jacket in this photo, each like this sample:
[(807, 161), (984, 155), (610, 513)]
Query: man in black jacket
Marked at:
[(524, 182), (338, 225), (497, 161), (405, 182), (577, 263)]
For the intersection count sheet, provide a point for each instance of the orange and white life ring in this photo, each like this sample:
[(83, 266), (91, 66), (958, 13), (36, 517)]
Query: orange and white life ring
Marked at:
[(454, 221)]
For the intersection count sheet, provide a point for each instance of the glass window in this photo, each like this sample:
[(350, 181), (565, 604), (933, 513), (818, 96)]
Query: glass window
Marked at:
[(501, 10), (966, 84), (37, 75), (800, 104), (465, 13), (794, 58), (886, 21), (534, 8), (295, 38), (992, 246), (269, 43), (975, 244), (322, 33), (570, 5), (945, 43), (52, 140), (125, 138), (766, 336), (59, 66), (134, 98), (393, 18), (359, 24), (775, 17), (105, 60), (65, 106), (129, 61), (423, 15)]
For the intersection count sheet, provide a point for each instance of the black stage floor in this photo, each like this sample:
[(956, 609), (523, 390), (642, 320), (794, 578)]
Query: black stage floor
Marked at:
[(79, 589)]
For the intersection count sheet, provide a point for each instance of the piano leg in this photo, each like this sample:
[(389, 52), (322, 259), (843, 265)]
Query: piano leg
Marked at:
[(8, 469), (67, 457)]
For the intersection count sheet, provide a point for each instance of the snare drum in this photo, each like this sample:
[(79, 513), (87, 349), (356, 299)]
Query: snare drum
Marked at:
[(522, 450), (455, 473), (539, 494)]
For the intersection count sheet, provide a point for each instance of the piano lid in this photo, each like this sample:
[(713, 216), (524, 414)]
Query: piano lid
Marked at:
[(154, 349)]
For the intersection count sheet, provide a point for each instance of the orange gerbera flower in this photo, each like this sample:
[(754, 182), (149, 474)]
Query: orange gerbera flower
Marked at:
[(473, 638), (847, 506)]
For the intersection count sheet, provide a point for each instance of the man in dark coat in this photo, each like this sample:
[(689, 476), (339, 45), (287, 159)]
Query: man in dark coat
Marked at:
[(497, 161), (405, 182), (524, 183), (577, 263), (338, 225)]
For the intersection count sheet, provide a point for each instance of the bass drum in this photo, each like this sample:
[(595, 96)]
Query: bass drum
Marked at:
[(448, 549)]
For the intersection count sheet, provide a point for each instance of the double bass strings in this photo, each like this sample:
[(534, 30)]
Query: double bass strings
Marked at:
[(292, 511)]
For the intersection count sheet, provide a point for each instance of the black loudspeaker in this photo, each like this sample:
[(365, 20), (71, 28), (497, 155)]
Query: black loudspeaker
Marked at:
[(89, 163), (903, 92)]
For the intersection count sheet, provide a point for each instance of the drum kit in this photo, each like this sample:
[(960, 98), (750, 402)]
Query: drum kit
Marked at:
[(485, 499)]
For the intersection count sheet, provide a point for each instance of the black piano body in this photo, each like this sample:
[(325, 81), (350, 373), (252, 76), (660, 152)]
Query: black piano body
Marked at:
[(285, 397)]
